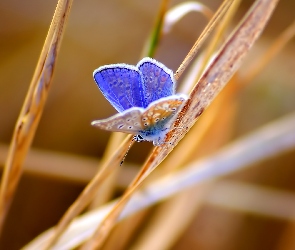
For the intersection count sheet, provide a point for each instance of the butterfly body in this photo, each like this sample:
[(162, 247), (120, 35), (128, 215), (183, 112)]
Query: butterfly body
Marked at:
[(143, 95)]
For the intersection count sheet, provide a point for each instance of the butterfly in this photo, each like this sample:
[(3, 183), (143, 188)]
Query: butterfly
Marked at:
[(144, 95)]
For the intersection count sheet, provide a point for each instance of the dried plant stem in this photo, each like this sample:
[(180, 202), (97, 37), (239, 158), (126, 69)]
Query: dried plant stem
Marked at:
[(260, 63), (30, 114), (224, 65), (106, 190), (174, 14), (171, 219), (91, 189), (218, 36), (206, 32)]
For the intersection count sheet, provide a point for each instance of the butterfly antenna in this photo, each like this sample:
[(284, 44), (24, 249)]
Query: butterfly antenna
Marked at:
[(126, 152)]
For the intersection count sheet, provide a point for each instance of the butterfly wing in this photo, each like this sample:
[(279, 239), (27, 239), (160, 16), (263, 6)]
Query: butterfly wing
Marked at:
[(158, 80), (162, 110), (126, 122), (151, 123), (159, 116), (121, 84)]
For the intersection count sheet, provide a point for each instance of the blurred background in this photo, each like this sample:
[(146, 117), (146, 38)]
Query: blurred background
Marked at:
[(66, 150)]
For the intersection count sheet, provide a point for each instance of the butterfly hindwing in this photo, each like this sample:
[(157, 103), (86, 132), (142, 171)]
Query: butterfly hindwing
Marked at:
[(162, 110), (121, 84), (126, 122)]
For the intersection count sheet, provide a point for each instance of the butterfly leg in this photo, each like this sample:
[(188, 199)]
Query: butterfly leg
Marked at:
[(138, 138)]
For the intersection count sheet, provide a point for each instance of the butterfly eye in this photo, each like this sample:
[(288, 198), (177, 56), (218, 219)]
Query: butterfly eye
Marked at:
[(121, 126), (144, 119), (163, 118), (130, 127), (145, 124), (157, 119)]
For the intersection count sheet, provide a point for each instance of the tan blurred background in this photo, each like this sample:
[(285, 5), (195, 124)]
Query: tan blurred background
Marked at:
[(105, 32)]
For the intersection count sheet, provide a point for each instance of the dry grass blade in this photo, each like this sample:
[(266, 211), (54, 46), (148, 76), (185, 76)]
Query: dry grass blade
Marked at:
[(91, 189), (262, 144), (177, 12), (253, 199), (206, 32), (106, 189), (213, 80), (30, 114), (218, 36)]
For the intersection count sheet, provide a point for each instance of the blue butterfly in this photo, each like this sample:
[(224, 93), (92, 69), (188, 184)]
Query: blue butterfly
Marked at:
[(144, 95)]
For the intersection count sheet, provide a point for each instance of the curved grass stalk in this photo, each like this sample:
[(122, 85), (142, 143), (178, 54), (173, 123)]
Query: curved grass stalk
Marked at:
[(218, 36), (179, 11), (89, 192), (259, 64), (206, 32), (32, 108)]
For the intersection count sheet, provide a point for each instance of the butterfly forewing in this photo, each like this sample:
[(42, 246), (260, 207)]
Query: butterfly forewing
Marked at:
[(121, 84), (158, 80), (126, 122)]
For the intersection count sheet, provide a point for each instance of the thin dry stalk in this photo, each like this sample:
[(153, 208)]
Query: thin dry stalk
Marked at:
[(206, 32), (214, 79), (171, 218), (55, 165), (271, 52), (107, 187), (31, 112), (220, 33), (174, 14), (91, 189)]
